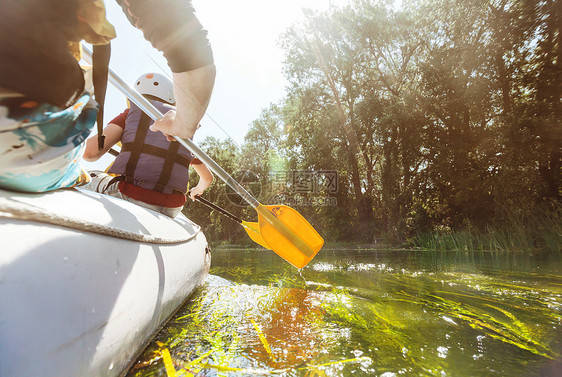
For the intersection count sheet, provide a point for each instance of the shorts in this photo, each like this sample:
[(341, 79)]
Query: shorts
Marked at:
[(101, 182)]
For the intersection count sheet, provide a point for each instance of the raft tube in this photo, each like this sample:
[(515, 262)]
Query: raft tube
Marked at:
[(86, 280)]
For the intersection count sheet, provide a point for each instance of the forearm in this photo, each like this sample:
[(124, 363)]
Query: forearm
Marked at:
[(205, 176), (192, 90), (175, 30), (112, 134), (204, 183), (171, 27), (92, 153)]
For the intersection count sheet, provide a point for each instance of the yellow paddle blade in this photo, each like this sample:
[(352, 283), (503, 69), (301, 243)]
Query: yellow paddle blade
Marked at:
[(288, 234), (253, 230)]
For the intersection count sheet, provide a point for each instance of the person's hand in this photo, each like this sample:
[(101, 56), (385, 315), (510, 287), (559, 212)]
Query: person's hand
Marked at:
[(170, 125), (196, 191)]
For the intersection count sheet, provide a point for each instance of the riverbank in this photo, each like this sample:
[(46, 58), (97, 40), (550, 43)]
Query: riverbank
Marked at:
[(335, 245), (540, 232), (533, 235), (544, 239)]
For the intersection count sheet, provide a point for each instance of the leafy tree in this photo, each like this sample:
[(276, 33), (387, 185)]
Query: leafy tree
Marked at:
[(439, 113)]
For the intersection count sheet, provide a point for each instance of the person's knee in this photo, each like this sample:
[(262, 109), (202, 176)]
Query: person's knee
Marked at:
[(100, 182), (171, 212)]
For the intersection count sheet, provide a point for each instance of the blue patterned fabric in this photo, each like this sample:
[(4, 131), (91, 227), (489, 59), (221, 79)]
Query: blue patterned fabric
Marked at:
[(41, 145)]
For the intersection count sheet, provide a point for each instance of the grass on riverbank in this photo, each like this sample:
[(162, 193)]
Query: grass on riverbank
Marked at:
[(541, 232)]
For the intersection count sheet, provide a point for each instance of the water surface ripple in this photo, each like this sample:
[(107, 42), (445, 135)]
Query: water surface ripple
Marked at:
[(367, 313)]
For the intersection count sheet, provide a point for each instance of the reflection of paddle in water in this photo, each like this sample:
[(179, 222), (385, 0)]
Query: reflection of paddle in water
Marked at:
[(293, 329), (295, 336), (289, 328), (263, 339)]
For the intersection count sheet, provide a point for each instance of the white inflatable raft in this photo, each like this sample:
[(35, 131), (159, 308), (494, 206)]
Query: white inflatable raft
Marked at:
[(86, 280)]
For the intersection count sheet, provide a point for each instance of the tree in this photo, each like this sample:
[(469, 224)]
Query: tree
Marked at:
[(217, 227), (440, 112)]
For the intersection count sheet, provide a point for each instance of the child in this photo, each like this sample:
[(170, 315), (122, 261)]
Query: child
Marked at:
[(150, 170)]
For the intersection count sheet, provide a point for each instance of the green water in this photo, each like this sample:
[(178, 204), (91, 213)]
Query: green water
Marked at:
[(367, 313)]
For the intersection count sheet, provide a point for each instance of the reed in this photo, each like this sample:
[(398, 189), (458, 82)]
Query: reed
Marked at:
[(539, 231)]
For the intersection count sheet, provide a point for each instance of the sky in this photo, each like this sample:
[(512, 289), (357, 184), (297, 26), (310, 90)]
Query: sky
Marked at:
[(244, 36)]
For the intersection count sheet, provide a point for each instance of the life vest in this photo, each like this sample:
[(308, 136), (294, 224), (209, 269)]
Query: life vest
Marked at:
[(147, 159)]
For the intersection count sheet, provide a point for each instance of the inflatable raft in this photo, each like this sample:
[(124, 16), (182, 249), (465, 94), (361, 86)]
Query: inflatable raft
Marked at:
[(86, 280)]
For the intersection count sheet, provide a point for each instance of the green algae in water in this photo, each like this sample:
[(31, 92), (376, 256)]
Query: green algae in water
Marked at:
[(368, 313)]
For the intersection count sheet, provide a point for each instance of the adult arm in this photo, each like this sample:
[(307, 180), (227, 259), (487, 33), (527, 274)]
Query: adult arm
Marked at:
[(172, 27), (192, 90)]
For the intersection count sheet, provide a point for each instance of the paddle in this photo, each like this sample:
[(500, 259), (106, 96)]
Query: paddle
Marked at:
[(252, 229), (282, 228)]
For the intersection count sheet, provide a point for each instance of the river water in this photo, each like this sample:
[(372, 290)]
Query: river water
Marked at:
[(367, 313)]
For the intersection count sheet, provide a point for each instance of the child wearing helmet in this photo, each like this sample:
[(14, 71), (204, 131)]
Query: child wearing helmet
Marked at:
[(149, 170)]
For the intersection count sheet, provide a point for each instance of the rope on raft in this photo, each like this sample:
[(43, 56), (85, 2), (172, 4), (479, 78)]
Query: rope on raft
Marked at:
[(23, 211)]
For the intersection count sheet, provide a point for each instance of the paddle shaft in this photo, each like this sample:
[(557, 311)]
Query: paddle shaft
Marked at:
[(153, 113), (219, 209)]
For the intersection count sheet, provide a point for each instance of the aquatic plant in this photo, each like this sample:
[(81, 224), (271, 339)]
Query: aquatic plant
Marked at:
[(469, 312)]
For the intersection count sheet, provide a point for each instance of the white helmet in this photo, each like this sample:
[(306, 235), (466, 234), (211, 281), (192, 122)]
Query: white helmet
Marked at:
[(156, 85)]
